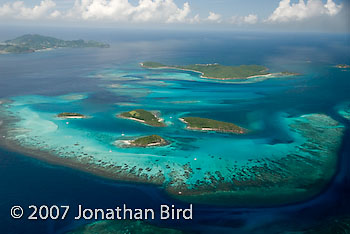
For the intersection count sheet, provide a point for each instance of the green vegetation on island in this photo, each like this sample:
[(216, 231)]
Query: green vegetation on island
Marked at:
[(204, 124), (34, 42), (153, 65), (70, 115), (147, 141), (14, 49), (216, 71), (143, 116), (343, 66)]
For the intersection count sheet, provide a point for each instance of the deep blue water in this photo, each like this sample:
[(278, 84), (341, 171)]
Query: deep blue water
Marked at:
[(25, 181)]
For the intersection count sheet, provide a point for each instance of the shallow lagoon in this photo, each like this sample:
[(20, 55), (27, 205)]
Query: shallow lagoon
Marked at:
[(264, 107), (195, 163)]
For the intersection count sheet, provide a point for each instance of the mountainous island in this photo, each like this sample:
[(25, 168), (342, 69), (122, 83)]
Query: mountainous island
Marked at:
[(221, 72), (143, 116), (33, 42)]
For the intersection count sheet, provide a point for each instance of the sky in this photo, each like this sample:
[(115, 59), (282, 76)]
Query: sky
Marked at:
[(271, 15)]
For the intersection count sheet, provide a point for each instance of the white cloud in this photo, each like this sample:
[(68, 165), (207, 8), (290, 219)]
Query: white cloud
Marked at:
[(122, 10), (159, 11), (332, 8), (180, 15), (249, 19), (55, 14), (19, 10), (214, 17), (325, 15), (298, 11), (195, 19)]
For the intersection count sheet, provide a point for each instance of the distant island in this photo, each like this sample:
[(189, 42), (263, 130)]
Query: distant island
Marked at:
[(204, 124), (221, 72), (343, 66), (33, 42), (143, 116), (146, 141), (69, 115)]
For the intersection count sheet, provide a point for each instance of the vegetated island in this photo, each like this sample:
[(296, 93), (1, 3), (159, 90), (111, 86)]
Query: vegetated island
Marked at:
[(33, 42), (204, 124), (343, 66), (146, 141), (69, 115), (286, 173), (221, 72), (143, 116)]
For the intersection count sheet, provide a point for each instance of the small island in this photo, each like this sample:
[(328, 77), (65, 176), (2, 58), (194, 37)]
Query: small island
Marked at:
[(221, 72), (343, 66), (216, 71), (69, 115), (143, 116), (204, 124), (146, 141), (33, 42)]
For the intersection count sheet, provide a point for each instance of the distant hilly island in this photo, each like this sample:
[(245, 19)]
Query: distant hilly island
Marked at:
[(33, 42)]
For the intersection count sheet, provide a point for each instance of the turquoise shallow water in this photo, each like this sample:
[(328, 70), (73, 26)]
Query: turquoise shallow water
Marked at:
[(111, 81), (192, 159)]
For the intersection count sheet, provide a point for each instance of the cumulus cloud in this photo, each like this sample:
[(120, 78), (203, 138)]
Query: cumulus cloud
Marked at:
[(214, 17), (19, 10), (195, 19), (180, 14), (321, 14), (249, 19), (160, 11), (286, 11), (55, 14), (122, 10)]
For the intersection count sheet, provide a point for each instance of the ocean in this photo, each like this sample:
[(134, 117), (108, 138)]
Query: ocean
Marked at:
[(104, 82)]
